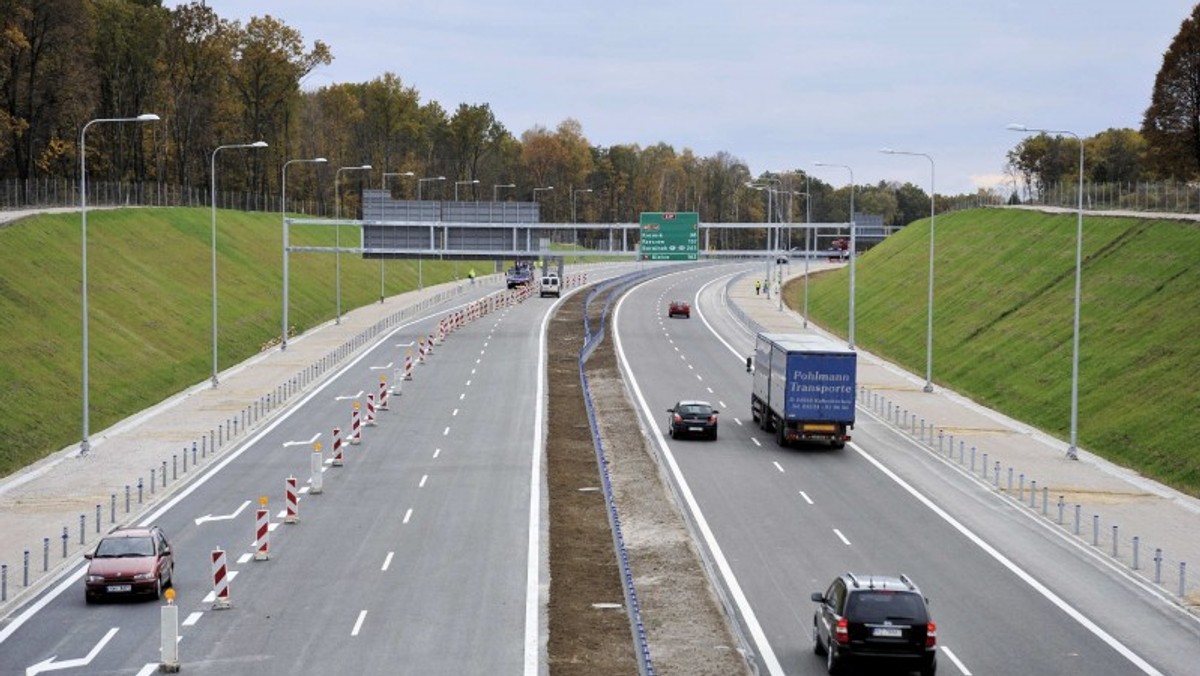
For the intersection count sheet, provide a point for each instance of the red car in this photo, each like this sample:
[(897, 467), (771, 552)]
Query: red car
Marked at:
[(129, 561), (679, 307)]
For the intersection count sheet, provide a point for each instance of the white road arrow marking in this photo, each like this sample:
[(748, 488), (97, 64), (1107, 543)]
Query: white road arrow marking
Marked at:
[(310, 442), (382, 368), (223, 517), (408, 344), (50, 665), (360, 394)]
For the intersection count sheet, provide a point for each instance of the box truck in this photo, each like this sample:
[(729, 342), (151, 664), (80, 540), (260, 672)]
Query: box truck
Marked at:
[(804, 388)]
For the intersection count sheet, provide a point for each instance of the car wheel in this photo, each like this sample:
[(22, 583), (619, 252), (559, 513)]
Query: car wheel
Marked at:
[(818, 649), (158, 588), (781, 434), (89, 598), (833, 665), (170, 577), (713, 436), (930, 666)]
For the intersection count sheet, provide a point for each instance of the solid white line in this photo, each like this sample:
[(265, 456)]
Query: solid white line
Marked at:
[(1037, 586), (806, 498), (954, 658), (777, 465), (192, 619), (770, 661), (358, 623), (423, 478), (840, 536), (437, 452), (407, 515), (387, 561)]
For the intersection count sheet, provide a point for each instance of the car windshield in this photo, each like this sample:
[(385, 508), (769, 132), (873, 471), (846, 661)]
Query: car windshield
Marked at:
[(117, 547), (882, 606), (694, 409)]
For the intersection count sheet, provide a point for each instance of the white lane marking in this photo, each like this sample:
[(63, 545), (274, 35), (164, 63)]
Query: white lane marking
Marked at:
[(485, 343), (245, 557), (472, 371), (691, 368), (282, 514), (468, 383), (533, 556), (1003, 560), (841, 537), (478, 360), (699, 377), (272, 526), (462, 396), (683, 357), (710, 391), (382, 368), (720, 403), (193, 619), (757, 636), (454, 413), (806, 498), (148, 669), (407, 515), (223, 517), (437, 452), (424, 477), (676, 347), (446, 432), (50, 665), (310, 442), (483, 352), (755, 440), (777, 465), (954, 658), (736, 420), (212, 595), (387, 561), (343, 398), (358, 623), (305, 489)]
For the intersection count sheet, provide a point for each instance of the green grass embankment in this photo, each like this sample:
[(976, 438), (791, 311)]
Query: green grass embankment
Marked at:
[(150, 309), (1003, 307)]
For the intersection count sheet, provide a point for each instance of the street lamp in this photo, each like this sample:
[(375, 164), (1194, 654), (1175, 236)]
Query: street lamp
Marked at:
[(458, 183), (213, 199), (929, 311), (1072, 448), (85, 445), (574, 194), (496, 188), (283, 210), (423, 180), (337, 235), (383, 186), (853, 245), (807, 233)]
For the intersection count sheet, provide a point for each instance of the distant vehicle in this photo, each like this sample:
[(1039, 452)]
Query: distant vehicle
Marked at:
[(550, 286), (520, 274), (874, 617), (782, 259), (692, 417), (128, 562), (679, 307), (840, 250), (804, 388)]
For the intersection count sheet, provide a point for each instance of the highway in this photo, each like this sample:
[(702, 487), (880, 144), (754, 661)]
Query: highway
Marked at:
[(1009, 595), (422, 550)]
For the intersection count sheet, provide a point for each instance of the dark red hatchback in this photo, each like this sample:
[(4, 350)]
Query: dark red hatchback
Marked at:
[(127, 562)]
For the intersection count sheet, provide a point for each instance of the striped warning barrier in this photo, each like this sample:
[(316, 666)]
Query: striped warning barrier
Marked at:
[(408, 365), (355, 427), (337, 447), (262, 545), (293, 504), (429, 344), (220, 580), (370, 421), (383, 393)]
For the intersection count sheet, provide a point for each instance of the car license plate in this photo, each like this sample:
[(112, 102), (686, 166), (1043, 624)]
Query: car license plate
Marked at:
[(887, 632), (115, 588), (695, 429)]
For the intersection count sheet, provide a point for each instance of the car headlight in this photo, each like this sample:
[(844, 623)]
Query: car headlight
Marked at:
[(95, 579), (144, 576)]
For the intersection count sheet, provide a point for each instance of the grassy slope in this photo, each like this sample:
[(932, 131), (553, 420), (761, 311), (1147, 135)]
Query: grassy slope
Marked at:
[(1004, 288), (150, 307)]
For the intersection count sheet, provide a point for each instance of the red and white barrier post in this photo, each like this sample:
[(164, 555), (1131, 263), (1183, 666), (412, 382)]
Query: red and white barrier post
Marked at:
[(383, 393), (337, 447), (408, 365), (292, 500), (421, 350), (370, 421), (262, 518), (355, 427), (429, 342), (220, 580), (318, 471)]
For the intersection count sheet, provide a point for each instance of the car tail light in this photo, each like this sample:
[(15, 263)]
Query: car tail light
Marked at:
[(930, 635), (678, 418), (712, 419), (841, 632)]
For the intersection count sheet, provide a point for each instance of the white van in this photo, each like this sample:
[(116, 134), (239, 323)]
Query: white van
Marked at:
[(550, 286)]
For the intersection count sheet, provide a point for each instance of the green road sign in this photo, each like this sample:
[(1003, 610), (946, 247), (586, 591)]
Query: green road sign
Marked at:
[(670, 235)]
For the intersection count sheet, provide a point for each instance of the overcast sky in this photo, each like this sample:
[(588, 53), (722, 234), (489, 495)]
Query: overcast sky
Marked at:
[(779, 84)]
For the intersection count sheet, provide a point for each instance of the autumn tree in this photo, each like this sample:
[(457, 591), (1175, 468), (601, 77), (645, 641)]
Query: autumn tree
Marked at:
[(1171, 124)]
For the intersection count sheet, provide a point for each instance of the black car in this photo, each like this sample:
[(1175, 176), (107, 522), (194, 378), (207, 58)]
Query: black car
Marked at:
[(874, 617), (692, 417)]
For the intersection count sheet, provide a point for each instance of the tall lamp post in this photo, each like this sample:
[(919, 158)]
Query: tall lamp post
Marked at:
[(458, 183), (853, 245), (420, 181), (337, 236), (496, 188), (283, 209), (85, 444), (1072, 449), (929, 311), (807, 233), (535, 198), (383, 186), (575, 232), (213, 199), (420, 260)]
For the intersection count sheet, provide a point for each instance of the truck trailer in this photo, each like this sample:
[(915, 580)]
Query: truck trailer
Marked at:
[(804, 388)]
